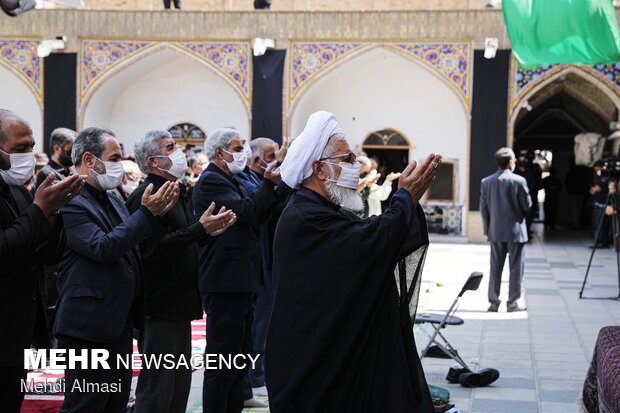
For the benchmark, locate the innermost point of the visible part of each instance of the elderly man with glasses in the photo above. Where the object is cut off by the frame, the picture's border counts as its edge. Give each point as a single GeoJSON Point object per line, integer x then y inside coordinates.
{"type": "Point", "coordinates": [338, 340]}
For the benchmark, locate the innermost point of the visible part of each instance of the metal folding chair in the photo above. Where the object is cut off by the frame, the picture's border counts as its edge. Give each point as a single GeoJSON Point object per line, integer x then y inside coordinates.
{"type": "Point", "coordinates": [439, 321]}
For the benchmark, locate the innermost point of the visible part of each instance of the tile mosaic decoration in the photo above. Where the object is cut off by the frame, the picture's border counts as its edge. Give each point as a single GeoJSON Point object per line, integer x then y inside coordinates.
{"type": "Point", "coordinates": [451, 60]}
{"type": "Point", "coordinates": [523, 81]}
{"type": "Point", "coordinates": [21, 55]}
{"type": "Point", "coordinates": [231, 59]}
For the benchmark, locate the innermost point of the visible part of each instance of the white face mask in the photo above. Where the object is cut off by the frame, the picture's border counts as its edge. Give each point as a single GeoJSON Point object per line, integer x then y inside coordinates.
{"type": "Point", "coordinates": [179, 164]}
{"type": "Point", "coordinates": [129, 187]}
{"type": "Point", "coordinates": [113, 175]}
{"type": "Point", "coordinates": [349, 175]}
{"type": "Point", "coordinates": [239, 162]}
{"type": "Point", "coordinates": [21, 170]}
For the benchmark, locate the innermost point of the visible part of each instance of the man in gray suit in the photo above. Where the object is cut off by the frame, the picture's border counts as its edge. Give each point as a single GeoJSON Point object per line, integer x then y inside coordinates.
{"type": "Point", "coordinates": [504, 203]}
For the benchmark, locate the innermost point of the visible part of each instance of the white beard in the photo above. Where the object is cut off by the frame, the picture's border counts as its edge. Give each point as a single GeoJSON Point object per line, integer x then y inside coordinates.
{"type": "Point", "coordinates": [345, 197]}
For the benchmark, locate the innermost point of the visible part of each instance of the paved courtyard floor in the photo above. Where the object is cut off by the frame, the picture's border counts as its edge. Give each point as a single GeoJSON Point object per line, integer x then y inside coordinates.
{"type": "Point", "coordinates": [542, 354]}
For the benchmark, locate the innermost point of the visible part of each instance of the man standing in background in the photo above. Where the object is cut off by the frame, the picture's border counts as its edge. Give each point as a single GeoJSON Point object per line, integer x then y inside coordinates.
{"type": "Point", "coordinates": [61, 144]}
{"type": "Point", "coordinates": [504, 205]}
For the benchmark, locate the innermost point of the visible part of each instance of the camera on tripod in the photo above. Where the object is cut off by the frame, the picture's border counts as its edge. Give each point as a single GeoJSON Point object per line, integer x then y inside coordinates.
{"type": "Point", "coordinates": [611, 168]}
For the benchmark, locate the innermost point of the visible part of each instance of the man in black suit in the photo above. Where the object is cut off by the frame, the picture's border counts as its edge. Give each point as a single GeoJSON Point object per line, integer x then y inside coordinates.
{"type": "Point", "coordinates": [30, 235]}
{"type": "Point", "coordinates": [265, 151]}
{"type": "Point", "coordinates": [100, 274]}
{"type": "Point", "coordinates": [61, 144]}
{"type": "Point", "coordinates": [230, 267]}
{"type": "Point", "coordinates": [170, 265]}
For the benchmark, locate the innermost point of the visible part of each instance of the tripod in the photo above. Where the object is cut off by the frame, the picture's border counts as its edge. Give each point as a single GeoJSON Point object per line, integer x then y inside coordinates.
{"type": "Point", "coordinates": [613, 202]}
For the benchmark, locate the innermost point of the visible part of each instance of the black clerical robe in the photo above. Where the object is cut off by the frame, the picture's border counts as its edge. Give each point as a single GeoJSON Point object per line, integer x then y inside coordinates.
{"type": "Point", "coordinates": [338, 340]}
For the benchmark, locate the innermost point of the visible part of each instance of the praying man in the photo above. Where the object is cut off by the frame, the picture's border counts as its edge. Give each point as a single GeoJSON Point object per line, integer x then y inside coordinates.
{"type": "Point", "coordinates": [338, 341]}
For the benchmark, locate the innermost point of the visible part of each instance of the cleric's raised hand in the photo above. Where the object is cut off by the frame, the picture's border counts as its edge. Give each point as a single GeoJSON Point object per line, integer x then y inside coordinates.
{"type": "Point", "coordinates": [416, 178]}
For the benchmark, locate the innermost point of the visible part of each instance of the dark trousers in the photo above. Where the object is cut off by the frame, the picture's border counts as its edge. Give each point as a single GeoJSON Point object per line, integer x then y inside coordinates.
{"type": "Point", "coordinates": [499, 250]}
{"type": "Point", "coordinates": [264, 305]}
{"type": "Point", "coordinates": [162, 390]}
{"type": "Point", "coordinates": [551, 210]}
{"type": "Point", "coordinates": [77, 398]}
{"type": "Point", "coordinates": [177, 4]}
{"type": "Point", "coordinates": [11, 395]}
{"type": "Point", "coordinates": [601, 225]}
{"type": "Point", "coordinates": [230, 317]}
{"type": "Point", "coordinates": [262, 315]}
{"type": "Point", "coordinates": [576, 208]}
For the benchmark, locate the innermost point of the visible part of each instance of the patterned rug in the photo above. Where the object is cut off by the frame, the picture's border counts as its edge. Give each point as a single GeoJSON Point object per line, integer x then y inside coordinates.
{"type": "Point", "coordinates": [197, 407]}
{"type": "Point", "coordinates": [51, 400]}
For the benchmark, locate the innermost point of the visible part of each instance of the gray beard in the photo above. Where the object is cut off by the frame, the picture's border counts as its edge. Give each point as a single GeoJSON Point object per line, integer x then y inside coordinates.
{"type": "Point", "coordinates": [345, 197]}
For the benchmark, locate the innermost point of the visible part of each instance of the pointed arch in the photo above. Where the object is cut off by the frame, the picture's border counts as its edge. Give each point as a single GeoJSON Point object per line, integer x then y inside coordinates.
{"type": "Point", "coordinates": [533, 90]}
{"type": "Point", "coordinates": [146, 49]}
{"type": "Point", "coordinates": [354, 50]}
{"type": "Point", "coordinates": [38, 95]}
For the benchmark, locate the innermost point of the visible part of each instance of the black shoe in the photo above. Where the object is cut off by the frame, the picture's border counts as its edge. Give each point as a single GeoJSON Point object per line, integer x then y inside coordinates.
{"type": "Point", "coordinates": [455, 373]}
{"type": "Point", "coordinates": [481, 378]}
{"type": "Point", "coordinates": [493, 308]}
{"type": "Point", "coordinates": [515, 307]}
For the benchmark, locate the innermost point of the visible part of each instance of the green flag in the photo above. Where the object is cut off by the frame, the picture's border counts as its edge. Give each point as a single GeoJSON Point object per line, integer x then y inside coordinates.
{"type": "Point", "coordinates": [546, 32]}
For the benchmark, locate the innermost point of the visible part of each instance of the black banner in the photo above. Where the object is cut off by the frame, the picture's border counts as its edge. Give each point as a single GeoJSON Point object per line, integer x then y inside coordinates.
{"type": "Point", "coordinates": [267, 95]}
{"type": "Point", "coordinates": [59, 93]}
{"type": "Point", "coordinates": [488, 117]}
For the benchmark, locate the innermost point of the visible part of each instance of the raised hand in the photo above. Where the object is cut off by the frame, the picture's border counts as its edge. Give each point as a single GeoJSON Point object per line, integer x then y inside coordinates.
{"type": "Point", "coordinates": [392, 176]}
{"type": "Point", "coordinates": [417, 178]}
{"type": "Point", "coordinates": [173, 198]}
{"type": "Point", "coordinates": [271, 174]}
{"type": "Point", "coordinates": [163, 200]}
{"type": "Point", "coordinates": [281, 153]}
{"type": "Point", "coordinates": [218, 223]}
{"type": "Point", "coordinates": [193, 180]}
{"type": "Point", "coordinates": [373, 177]}
{"type": "Point", "coordinates": [51, 197]}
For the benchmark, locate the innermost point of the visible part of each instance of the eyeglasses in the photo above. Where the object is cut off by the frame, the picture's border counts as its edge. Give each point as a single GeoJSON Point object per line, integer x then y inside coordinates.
{"type": "Point", "coordinates": [346, 157]}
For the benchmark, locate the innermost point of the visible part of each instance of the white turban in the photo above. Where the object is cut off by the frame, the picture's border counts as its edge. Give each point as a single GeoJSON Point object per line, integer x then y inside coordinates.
{"type": "Point", "coordinates": [308, 147]}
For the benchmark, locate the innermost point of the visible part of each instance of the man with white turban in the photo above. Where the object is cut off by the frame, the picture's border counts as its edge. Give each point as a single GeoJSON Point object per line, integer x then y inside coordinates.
{"type": "Point", "coordinates": [338, 340]}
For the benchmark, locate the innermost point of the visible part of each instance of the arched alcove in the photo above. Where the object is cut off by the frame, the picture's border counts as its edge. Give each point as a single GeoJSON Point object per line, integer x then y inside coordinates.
{"type": "Point", "coordinates": [382, 88]}
{"type": "Point", "coordinates": [160, 89]}
{"type": "Point", "coordinates": [553, 113]}
{"type": "Point", "coordinates": [19, 97]}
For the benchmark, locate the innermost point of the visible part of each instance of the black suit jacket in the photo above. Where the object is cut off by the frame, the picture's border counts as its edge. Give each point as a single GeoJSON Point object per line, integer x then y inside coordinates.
{"type": "Point", "coordinates": [27, 240]}
{"type": "Point", "coordinates": [232, 261]}
{"type": "Point", "coordinates": [171, 264]}
{"type": "Point", "coordinates": [268, 229]}
{"type": "Point", "coordinates": [100, 274]}
{"type": "Point", "coordinates": [61, 173]}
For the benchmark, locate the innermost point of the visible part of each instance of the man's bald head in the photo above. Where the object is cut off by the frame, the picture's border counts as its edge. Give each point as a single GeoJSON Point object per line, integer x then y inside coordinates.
{"type": "Point", "coordinates": [8, 117]}
{"type": "Point", "coordinates": [15, 136]}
